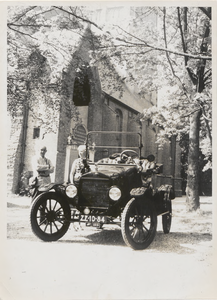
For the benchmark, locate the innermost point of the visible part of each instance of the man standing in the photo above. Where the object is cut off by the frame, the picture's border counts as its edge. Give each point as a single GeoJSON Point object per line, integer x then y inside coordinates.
{"type": "Point", "coordinates": [43, 167]}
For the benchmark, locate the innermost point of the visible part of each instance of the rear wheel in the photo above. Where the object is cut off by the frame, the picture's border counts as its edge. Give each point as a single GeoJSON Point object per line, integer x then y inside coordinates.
{"type": "Point", "coordinates": [167, 218]}
{"type": "Point", "coordinates": [50, 217]}
{"type": "Point", "coordinates": [139, 223]}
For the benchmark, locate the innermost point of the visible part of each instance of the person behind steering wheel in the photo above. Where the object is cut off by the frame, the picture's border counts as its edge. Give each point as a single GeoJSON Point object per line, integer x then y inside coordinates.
{"type": "Point", "coordinates": [148, 163]}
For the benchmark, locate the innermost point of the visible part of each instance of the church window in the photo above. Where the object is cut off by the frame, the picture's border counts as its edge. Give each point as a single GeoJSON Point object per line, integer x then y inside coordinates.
{"type": "Point", "coordinates": [81, 94]}
{"type": "Point", "coordinates": [36, 132]}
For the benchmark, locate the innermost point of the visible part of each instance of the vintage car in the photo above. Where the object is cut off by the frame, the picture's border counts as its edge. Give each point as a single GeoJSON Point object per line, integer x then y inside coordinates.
{"type": "Point", "coordinates": [115, 190]}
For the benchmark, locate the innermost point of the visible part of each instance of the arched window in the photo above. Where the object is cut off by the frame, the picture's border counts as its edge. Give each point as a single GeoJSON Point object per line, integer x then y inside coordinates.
{"type": "Point", "coordinates": [81, 93]}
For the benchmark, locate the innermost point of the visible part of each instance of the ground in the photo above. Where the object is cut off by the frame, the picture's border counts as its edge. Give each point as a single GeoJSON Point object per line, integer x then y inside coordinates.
{"type": "Point", "coordinates": [90, 263]}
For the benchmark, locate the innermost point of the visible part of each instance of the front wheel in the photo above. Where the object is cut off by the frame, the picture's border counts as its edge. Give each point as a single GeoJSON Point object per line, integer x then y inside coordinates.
{"type": "Point", "coordinates": [50, 217]}
{"type": "Point", "coordinates": [139, 223]}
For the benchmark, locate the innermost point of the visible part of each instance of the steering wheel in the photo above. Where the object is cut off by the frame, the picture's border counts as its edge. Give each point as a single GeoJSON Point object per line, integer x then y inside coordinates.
{"type": "Point", "coordinates": [126, 152]}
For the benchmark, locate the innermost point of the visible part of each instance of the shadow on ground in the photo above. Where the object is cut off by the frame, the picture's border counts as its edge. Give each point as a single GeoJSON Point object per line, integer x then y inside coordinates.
{"type": "Point", "coordinates": [174, 242]}
{"type": "Point", "coordinates": [188, 231]}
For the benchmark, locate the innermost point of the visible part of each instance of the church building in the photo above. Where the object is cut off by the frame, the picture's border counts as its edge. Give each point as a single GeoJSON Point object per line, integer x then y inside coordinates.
{"type": "Point", "coordinates": [62, 117]}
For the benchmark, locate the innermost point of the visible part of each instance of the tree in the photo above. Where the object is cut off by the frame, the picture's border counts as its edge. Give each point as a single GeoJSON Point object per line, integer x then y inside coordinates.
{"type": "Point", "coordinates": [185, 43]}
{"type": "Point", "coordinates": [171, 60]}
{"type": "Point", "coordinates": [199, 79]}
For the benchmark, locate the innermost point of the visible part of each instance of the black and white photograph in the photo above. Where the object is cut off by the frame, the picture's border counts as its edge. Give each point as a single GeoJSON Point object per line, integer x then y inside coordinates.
{"type": "Point", "coordinates": [107, 150]}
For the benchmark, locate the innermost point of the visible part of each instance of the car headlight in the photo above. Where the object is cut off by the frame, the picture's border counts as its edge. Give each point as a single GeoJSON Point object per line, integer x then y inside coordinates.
{"type": "Point", "coordinates": [71, 191]}
{"type": "Point", "coordinates": [115, 193]}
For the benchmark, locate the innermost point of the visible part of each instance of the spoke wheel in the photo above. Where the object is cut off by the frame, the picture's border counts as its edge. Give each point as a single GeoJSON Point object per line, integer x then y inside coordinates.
{"type": "Point", "coordinates": [167, 218]}
{"type": "Point", "coordinates": [139, 223]}
{"type": "Point", "coordinates": [50, 217]}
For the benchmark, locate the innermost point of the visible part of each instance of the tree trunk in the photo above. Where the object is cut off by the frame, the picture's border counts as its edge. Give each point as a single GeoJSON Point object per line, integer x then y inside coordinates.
{"type": "Point", "coordinates": [192, 189]}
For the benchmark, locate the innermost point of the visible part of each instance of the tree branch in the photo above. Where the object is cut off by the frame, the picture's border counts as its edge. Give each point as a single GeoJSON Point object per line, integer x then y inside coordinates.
{"type": "Point", "coordinates": [207, 77]}
{"type": "Point", "coordinates": [136, 53]}
{"type": "Point", "coordinates": [78, 17]}
{"type": "Point", "coordinates": [182, 35]}
{"type": "Point", "coordinates": [130, 34]}
{"type": "Point", "coordinates": [166, 50]}
{"type": "Point", "coordinates": [165, 40]}
{"type": "Point", "coordinates": [20, 32]}
{"type": "Point", "coordinates": [52, 45]}
{"type": "Point", "coordinates": [26, 11]}
{"type": "Point", "coordinates": [28, 25]}
{"type": "Point", "coordinates": [187, 115]}
{"type": "Point", "coordinates": [41, 13]}
{"type": "Point", "coordinates": [167, 54]}
{"type": "Point", "coordinates": [206, 12]}
{"type": "Point", "coordinates": [192, 75]}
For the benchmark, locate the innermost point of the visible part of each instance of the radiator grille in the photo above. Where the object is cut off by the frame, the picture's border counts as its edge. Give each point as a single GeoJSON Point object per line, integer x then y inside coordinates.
{"type": "Point", "coordinates": [94, 192]}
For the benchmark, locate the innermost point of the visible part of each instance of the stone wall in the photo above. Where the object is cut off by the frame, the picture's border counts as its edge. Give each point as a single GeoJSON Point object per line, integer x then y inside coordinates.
{"type": "Point", "coordinates": [14, 154]}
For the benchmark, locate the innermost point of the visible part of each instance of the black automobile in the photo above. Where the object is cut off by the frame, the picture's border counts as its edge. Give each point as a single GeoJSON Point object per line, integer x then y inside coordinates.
{"type": "Point", "coordinates": [115, 190]}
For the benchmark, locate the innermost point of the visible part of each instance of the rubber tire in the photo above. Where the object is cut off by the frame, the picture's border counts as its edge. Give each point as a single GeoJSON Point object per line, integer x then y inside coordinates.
{"type": "Point", "coordinates": [65, 218]}
{"type": "Point", "coordinates": [146, 208]}
{"type": "Point", "coordinates": [167, 219]}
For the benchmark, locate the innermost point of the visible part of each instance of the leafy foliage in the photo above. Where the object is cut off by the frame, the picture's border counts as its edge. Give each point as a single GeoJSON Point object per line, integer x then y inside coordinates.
{"type": "Point", "coordinates": [40, 43]}
{"type": "Point", "coordinates": [157, 62]}
{"type": "Point", "coordinates": [173, 74]}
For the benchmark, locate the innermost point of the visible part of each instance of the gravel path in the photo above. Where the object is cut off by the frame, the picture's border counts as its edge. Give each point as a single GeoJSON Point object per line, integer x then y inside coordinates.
{"type": "Point", "coordinates": [96, 264]}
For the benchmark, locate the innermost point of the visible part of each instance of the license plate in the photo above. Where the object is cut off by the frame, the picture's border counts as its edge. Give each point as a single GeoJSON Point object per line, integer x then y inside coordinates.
{"type": "Point", "coordinates": [90, 220]}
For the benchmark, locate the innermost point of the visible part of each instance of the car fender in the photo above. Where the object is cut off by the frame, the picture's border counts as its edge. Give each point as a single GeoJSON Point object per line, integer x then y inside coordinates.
{"type": "Point", "coordinates": [137, 192]}
{"type": "Point", "coordinates": [168, 189]}
{"type": "Point", "coordinates": [42, 194]}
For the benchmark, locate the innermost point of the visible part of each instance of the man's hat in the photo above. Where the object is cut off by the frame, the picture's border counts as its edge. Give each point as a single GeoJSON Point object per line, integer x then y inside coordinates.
{"type": "Point", "coordinates": [151, 157]}
{"type": "Point", "coordinates": [44, 148]}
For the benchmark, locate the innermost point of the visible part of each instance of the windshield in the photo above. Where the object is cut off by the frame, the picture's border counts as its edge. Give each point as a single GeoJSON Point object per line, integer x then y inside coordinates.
{"type": "Point", "coordinates": [103, 144]}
